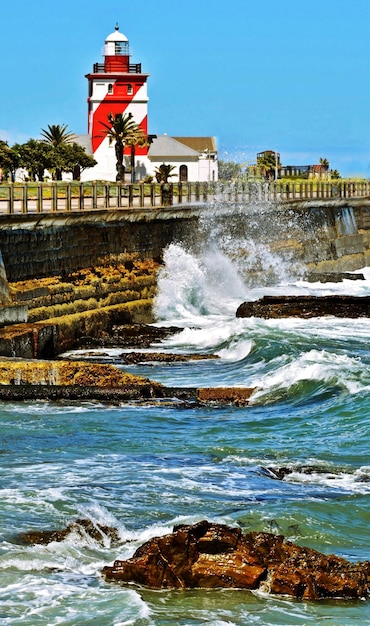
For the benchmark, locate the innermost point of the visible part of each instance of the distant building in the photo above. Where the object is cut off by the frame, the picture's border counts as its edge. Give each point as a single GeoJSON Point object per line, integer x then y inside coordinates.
{"type": "Point", "coordinates": [119, 86]}
{"type": "Point", "coordinates": [291, 171]}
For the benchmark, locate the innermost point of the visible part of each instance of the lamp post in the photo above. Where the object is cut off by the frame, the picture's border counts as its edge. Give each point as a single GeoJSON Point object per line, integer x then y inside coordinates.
{"type": "Point", "coordinates": [276, 165]}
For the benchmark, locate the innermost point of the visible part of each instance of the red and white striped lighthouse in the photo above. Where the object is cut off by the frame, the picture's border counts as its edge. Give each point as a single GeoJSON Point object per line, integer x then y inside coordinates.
{"type": "Point", "coordinates": [115, 86]}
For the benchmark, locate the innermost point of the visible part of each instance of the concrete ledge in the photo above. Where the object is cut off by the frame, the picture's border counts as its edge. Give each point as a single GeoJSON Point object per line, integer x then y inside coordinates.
{"type": "Point", "coordinates": [13, 314]}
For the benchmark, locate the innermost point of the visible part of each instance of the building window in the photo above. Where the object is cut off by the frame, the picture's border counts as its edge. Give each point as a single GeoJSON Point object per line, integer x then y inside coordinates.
{"type": "Point", "coordinates": [129, 89]}
{"type": "Point", "coordinates": [110, 88]}
{"type": "Point", "coordinates": [183, 173]}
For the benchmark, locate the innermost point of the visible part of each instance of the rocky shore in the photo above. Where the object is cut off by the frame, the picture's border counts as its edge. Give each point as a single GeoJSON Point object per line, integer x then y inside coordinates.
{"type": "Point", "coordinates": [209, 555]}
{"type": "Point", "coordinates": [306, 306]}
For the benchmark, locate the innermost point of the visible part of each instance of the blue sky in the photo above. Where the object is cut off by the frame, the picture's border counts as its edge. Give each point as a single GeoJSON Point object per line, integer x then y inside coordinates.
{"type": "Point", "coordinates": [283, 75]}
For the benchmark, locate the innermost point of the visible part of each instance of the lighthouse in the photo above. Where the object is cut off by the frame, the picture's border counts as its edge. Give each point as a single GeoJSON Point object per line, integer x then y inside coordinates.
{"type": "Point", "coordinates": [116, 86]}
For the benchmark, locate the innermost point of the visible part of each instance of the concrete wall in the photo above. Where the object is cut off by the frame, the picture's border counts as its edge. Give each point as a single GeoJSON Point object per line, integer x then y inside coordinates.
{"type": "Point", "coordinates": [47, 245]}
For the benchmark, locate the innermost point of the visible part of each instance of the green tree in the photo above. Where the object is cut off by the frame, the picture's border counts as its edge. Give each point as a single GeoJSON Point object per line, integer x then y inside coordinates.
{"type": "Point", "coordinates": [269, 162]}
{"type": "Point", "coordinates": [35, 156]}
{"type": "Point", "coordinates": [119, 128]}
{"type": "Point", "coordinates": [334, 174]}
{"type": "Point", "coordinates": [72, 158]}
{"type": "Point", "coordinates": [57, 135]}
{"type": "Point", "coordinates": [9, 160]}
{"type": "Point", "coordinates": [164, 172]}
{"type": "Point", "coordinates": [228, 170]}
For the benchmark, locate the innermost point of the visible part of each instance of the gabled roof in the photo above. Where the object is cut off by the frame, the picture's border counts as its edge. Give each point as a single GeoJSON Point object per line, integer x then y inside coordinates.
{"type": "Point", "coordinates": [199, 143]}
{"type": "Point", "coordinates": [165, 146]}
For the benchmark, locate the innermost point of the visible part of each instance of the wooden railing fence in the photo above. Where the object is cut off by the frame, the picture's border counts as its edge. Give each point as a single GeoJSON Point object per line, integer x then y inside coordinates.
{"type": "Point", "coordinates": [31, 198]}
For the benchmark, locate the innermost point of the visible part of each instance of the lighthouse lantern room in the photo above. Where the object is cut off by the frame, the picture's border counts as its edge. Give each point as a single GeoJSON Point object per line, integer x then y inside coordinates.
{"type": "Point", "coordinates": [116, 86]}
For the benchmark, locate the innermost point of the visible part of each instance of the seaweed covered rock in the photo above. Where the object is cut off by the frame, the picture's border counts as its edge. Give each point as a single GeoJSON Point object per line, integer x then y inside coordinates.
{"type": "Point", "coordinates": [215, 555]}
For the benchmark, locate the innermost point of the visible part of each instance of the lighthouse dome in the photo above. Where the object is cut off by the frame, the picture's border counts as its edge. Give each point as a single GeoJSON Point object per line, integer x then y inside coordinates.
{"type": "Point", "coordinates": [116, 44]}
{"type": "Point", "coordinates": [116, 36]}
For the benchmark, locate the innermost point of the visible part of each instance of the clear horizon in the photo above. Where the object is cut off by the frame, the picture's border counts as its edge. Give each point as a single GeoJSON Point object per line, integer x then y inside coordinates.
{"type": "Point", "coordinates": [274, 76]}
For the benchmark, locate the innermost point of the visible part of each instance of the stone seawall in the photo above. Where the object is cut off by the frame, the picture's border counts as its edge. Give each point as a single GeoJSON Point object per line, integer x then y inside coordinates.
{"type": "Point", "coordinates": [316, 231]}
{"type": "Point", "coordinates": [51, 245]}
{"type": "Point", "coordinates": [80, 274]}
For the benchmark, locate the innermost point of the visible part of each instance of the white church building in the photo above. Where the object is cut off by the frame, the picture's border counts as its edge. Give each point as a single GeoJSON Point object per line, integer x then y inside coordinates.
{"type": "Point", "coordinates": [119, 86]}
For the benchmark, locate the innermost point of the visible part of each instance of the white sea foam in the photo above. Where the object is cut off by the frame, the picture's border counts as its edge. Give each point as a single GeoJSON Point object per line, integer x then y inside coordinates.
{"type": "Point", "coordinates": [191, 287]}
{"type": "Point", "coordinates": [314, 365]}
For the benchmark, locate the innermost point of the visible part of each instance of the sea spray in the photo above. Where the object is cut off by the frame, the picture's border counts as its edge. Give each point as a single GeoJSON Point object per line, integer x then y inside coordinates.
{"type": "Point", "coordinates": [190, 287]}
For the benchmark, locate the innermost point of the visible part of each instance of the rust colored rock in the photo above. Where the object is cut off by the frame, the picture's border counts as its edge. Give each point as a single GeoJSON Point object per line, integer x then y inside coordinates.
{"type": "Point", "coordinates": [215, 555]}
{"type": "Point", "coordinates": [306, 307]}
{"type": "Point", "coordinates": [236, 395]}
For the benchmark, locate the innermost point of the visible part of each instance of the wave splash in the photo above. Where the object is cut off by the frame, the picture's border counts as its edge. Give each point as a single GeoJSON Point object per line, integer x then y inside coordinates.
{"type": "Point", "coordinates": [190, 287]}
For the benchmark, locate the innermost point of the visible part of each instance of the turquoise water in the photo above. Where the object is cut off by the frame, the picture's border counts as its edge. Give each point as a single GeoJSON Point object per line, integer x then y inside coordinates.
{"type": "Point", "coordinates": [143, 469]}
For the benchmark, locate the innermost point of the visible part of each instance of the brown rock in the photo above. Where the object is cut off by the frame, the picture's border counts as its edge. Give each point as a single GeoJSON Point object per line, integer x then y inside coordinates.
{"type": "Point", "coordinates": [82, 527]}
{"type": "Point", "coordinates": [235, 395]}
{"type": "Point", "coordinates": [306, 306]}
{"type": "Point", "coordinates": [214, 555]}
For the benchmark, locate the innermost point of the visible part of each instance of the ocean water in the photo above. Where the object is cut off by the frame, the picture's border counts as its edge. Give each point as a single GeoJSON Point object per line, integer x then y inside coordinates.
{"type": "Point", "coordinates": [143, 469]}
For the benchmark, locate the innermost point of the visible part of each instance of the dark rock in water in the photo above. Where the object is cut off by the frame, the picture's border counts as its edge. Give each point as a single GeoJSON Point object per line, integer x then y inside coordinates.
{"type": "Point", "coordinates": [338, 277]}
{"type": "Point", "coordinates": [133, 358]}
{"type": "Point", "coordinates": [215, 555]}
{"type": "Point", "coordinates": [279, 473]}
{"type": "Point", "coordinates": [81, 527]}
{"type": "Point", "coordinates": [130, 336]}
{"type": "Point", "coordinates": [306, 306]}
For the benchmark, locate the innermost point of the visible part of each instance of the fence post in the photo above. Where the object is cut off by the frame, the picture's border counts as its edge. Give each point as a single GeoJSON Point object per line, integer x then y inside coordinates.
{"type": "Point", "coordinates": [39, 198]}
{"type": "Point", "coordinates": [142, 195]}
{"type": "Point", "coordinates": [119, 195]}
{"type": "Point", "coordinates": [152, 194]}
{"type": "Point", "coordinates": [188, 191]}
{"type": "Point", "coordinates": [179, 192]}
{"type": "Point", "coordinates": [81, 197]}
{"type": "Point", "coordinates": [130, 195]}
{"type": "Point", "coordinates": [11, 199]}
{"type": "Point", "coordinates": [24, 197]}
{"type": "Point", "coordinates": [54, 197]}
{"type": "Point", "coordinates": [107, 194]}
{"type": "Point", "coordinates": [94, 186]}
{"type": "Point", "coordinates": [69, 197]}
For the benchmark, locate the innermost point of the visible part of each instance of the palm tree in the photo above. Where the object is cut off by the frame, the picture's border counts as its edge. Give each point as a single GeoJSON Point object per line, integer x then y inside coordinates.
{"type": "Point", "coordinates": [57, 134]}
{"type": "Point", "coordinates": [324, 163]}
{"type": "Point", "coordinates": [164, 172]}
{"type": "Point", "coordinates": [118, 130]}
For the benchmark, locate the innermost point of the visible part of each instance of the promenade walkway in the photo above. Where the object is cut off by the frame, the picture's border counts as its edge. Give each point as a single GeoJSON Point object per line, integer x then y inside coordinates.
{"type": "Point", "coordinates": [41, 198]}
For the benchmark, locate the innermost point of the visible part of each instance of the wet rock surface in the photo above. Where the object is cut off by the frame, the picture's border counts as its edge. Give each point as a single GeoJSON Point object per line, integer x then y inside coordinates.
{"type": "Point", "coordinates": [306, 306]}
{"type": "Point", "coordinates": [236, 395]}
{"type": "Point", "coordinates": [137, 358]}
{"type": "Point", "coordinates": [215, 555]}
{"type": "Point", "coordinates": [82, 527]}
{"type": "Point", "coordinates": [333, 277]}
{"type": "Point", "coordinates": [129, 336]}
